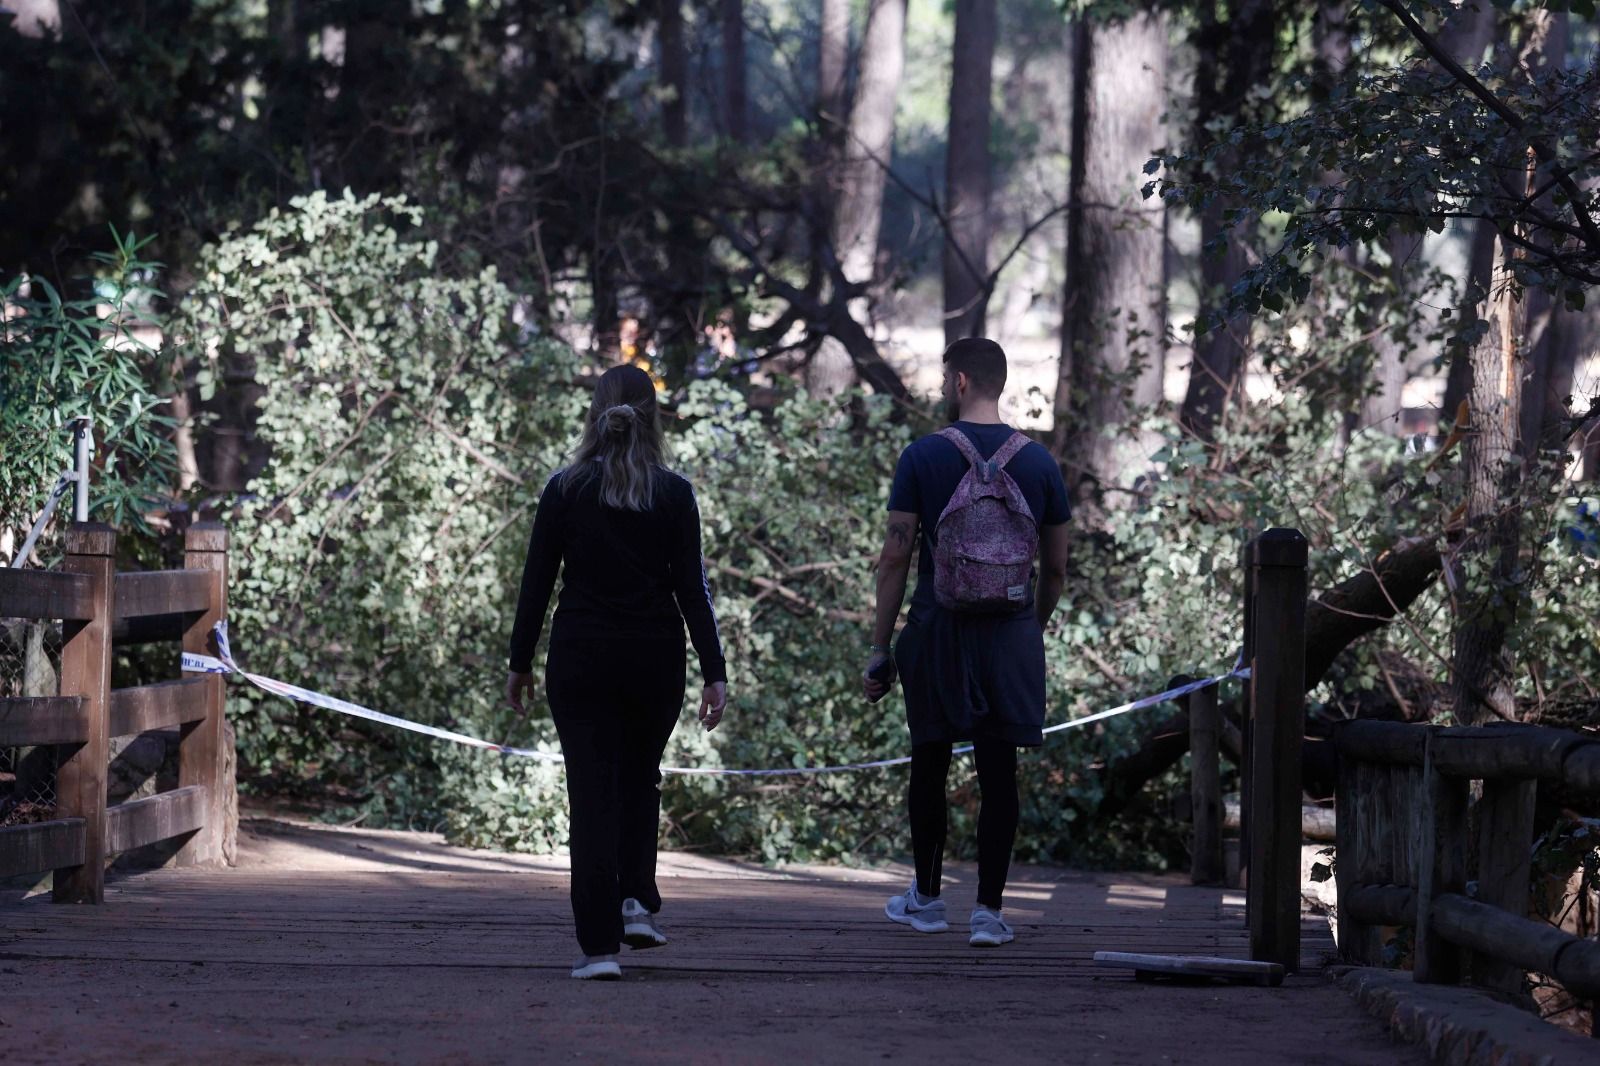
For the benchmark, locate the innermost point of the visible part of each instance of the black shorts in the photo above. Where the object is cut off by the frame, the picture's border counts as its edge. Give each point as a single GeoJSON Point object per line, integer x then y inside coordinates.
{"type": "Point", "coordinates": [972, 675]}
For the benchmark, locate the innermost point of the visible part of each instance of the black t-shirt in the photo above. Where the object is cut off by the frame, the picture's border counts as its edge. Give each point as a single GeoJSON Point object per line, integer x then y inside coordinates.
{"type": "Point", "coordinates": [626, 575]}
{"type": "Point", "coordinates": [930, 469]}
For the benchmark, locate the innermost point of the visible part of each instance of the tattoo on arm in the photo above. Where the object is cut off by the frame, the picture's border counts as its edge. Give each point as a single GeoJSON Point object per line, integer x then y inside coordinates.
{"type": "Point", "coordinates": [900, 533]}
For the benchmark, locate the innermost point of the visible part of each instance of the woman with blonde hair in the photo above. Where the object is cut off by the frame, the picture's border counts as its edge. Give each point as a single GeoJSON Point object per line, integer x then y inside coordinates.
{"type": "Point", "coordinates": [624, 533]}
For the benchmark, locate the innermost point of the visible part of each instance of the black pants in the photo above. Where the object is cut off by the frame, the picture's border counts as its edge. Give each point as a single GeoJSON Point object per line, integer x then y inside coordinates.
{"type": "Point", "coordinates": [614, 706]}
{"type": "Point", "coordinates": [997, 814]}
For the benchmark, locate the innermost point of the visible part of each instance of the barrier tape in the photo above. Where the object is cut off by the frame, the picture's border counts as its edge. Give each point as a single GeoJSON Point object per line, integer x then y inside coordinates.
{"type": "Point", "coordinates": [225, 664]}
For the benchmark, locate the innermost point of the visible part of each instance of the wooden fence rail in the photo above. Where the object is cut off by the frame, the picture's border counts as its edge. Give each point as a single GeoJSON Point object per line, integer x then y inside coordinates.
{"type": "Point", "coordinates": [1408, 825]}
{"type": "Point", "coordinates": [97, 606]}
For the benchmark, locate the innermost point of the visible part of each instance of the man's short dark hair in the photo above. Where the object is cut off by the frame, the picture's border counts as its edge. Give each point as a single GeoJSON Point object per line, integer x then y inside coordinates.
{"type": "Point", "coordinates": [982, 360]}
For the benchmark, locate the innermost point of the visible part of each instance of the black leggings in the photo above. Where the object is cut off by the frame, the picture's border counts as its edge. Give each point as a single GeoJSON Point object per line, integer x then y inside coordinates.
{"type": "Point", "coordinates": [997, 814]}
{"type": "Point", "coordinates": [614, 706]}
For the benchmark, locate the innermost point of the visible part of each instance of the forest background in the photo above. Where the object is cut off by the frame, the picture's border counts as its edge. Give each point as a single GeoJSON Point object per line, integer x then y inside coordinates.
{"type": "Point", "coordinates": [341, 272]}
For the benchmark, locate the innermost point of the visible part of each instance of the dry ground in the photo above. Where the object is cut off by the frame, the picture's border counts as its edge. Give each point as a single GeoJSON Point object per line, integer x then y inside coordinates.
{"type": "Point", "coordinates": [354, 946]}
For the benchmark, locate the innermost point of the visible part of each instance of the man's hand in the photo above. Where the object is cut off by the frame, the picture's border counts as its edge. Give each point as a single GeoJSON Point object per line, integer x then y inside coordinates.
{"type": "Point", "coordinates": [894, 567]}
{"type": "Point", "coordinates": [713, 701]}
{"type": "Point", "coordinates": [877, 687]}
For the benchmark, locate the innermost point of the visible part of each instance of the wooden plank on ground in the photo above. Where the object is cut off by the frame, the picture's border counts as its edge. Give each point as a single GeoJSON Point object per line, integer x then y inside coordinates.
{"type": "Point", "coordinates": [1193, 966]}
{"type": "Point", "coordinates": [158, 706]}
{"type": "Point", "coordinates": [146, 821]}
{"type": "Point", "coordinates": [29, 720]}
{"type": "Point", "coordinates": [30, 849]}
{"type": "Point", "coordinates": [44, 594]}
{"type": "Point", "coordinates": [162, 592]}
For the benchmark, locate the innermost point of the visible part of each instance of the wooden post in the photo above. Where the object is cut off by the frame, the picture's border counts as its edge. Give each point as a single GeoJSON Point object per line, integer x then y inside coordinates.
{"type": "Point", "coordinates": [1441, 868]}
{"type": "Point", "coordinates": [1246, 656]}
{"type": "Point", "coordinates": [1505, 839]}
{"type": "Point", "coordinates": [86, 673]}
{"type": "Point", "coordinates": [1205, 787]}
{"type": "Point", "coordinates": [1348, 874]}
{"type": "Point", "coordinates": [200, 752]}
{"type": "Point", "coordinates": [1277, 724]}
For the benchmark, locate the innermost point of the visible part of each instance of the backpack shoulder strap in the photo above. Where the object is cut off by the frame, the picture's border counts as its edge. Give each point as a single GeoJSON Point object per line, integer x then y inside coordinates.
{"type": "Point", "coordinates": [963, 445]}
{"type": "Point", "coordinates": [1010, 449]}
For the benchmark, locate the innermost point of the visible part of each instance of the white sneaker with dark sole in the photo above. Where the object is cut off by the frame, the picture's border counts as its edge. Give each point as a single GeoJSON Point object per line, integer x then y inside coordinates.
{"type": "Point", "coordinates": [924, 917]}
{"type": "Point", "coordinates": [597, 968]}
{"type": "Point", "coordinates": [639, 928]}
{"type": "Point", "coordinates": [989, 930]}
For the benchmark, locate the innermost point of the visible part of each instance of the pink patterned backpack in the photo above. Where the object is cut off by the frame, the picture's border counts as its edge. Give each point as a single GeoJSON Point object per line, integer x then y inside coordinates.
{"type": "Point", "coordinates": [986, 538]}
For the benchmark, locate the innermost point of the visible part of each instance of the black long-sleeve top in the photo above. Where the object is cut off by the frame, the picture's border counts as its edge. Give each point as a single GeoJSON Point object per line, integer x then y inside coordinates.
{"type": "Point", "coordinates": [627, 574]}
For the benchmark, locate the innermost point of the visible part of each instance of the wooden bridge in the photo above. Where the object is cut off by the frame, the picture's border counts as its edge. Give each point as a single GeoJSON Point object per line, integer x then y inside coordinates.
{"type": "Point", "coordinates": [349, 946]}
{"type": "Point", "coordinates": [406, 950]}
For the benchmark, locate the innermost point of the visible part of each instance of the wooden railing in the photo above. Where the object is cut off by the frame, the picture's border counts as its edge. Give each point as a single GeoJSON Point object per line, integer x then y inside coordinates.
{"type": "Point", "coordinates": [97, 606]}
{"type": "Point", "coordinates": [1407, 827]}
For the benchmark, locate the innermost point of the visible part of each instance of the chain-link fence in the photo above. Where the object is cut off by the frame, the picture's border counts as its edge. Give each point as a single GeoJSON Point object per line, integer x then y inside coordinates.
{"type": "Point", "coordinates": [30, 664]}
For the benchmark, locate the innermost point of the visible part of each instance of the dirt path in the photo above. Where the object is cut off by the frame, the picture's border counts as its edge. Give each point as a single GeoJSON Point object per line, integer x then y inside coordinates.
{"type": "Point", "coordinates": [346, 946]}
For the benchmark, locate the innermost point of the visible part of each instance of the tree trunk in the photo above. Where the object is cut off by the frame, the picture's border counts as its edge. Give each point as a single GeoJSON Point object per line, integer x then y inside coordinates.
{"type": "Point", "coordinates": [1554, 334]}
{"type": "Point", "coordinates": [283, 26]}
{"type": "Point", "coordinates": [827, 367]}
{"type": "Point", "coordinates": [833, 46]}
{"type": "Point", "coordinates": [673, 72]}
{"type": "Point", "coordinates": [1555, 340]}
{"type": "Point", "coordinates": [1384, 407]}
{"type": "Point", "coordinates": [1232, 59]}
{"type": "Point", "coordinates": [373, 52]}
{"type": "Point", "coordinates": [1114, 323]}
{"type": "Point", "coordinates": [1480, 265]}
{"type": "Point", "coordinates": [733, 69]}
{"type": "Point", "coordinates": [869, 143]}
{"type": "Point", "coordinates": [1469, 35]}
{"type": "Point", "coordinates": [865, 157]}
{"type": "Point", "coordinates": [1354, 607]}
{"type": "Point", "coordinates": [182, 413]}
{"type": "Point", "coordinates": [967, 172]}
{"type": "Point", "coordinates": [1486, 605]}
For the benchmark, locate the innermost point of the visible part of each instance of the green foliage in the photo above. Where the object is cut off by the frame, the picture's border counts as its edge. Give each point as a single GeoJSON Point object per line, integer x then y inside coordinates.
{"type": "Point", "coordinates": [1409, 148]}
{"type": "Point", "coordinates": [63, 358]}
{"type": "Point", "coordinates": [409, 422]}
{"type": "Point", "coordinates": [412, 427]}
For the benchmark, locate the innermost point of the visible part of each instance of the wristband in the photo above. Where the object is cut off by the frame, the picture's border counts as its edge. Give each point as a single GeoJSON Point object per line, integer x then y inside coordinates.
{"type": "Point", "coordinates": [881, 647]}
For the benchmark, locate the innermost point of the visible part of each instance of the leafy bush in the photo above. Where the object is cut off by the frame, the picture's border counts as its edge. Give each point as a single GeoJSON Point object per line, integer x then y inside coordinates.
{"type": "Point", "coordinates": [61, 359]}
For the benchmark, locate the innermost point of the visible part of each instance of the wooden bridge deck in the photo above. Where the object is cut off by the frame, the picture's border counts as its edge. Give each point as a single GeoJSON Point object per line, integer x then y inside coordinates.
{"type": "Point", "coordinates": [379, 947]}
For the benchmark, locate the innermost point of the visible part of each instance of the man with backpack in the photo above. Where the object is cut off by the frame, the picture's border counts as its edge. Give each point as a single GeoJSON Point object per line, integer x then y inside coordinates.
{"type": "Point", "coordinates": [989, 503]}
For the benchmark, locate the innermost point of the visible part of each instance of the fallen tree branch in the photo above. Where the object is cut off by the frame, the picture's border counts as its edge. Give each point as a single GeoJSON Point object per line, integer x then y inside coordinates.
{"type": "Point", "coordinates": [790, 596]}
{"type": "Point", "coordinates": [1338, 618]}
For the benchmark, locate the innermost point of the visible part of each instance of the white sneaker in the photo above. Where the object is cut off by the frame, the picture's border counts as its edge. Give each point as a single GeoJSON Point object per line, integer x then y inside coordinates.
{"type": "Point", "coordinates": [597, 968]}
{"type": "Point", "coordinates": [908, 909]}
{"type": "Point", "coordinates": [639, 928]}
{"type": "Point", "coordinates": [989, 930]}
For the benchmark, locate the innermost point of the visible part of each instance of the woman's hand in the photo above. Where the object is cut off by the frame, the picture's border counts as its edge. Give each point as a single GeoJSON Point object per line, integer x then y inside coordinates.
{"type": "Point", "coordinates": [713, 701]}
{"type": "Point", "coordinates": [517, 686]}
